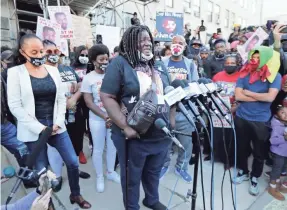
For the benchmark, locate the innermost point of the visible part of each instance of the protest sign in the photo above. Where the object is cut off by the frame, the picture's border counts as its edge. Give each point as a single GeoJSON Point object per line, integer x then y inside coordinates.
{"type": "Point", "coordinates": [46, 29]}
{"type": "Point", "coordinates": [62, 16]}
{"type": "Point", "coordinates": [255, 40]}
{"type": "Point", "coordinates": [168, 25]}
{"type": "Point", "coordinates": [84, 35]}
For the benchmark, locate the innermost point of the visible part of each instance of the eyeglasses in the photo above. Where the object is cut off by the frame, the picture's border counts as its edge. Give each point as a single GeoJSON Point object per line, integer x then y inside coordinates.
{"type": "Point", "coordinates": [83, 55]}
{"type": "Point", "coordinates": [55, 52]}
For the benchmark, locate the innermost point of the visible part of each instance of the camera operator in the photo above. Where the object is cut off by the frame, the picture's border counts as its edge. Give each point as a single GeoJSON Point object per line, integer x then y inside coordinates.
{"type": "Point", "coordinates": [35, 200]}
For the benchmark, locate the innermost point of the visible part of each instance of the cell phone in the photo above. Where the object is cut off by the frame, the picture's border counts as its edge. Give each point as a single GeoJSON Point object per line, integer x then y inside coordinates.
{"type": "Point", "coordinates": [219, 31]}
{"type": "Point", "coordinates": [202, 27]}
{"type": "Point", "coordinates": [284, 30]}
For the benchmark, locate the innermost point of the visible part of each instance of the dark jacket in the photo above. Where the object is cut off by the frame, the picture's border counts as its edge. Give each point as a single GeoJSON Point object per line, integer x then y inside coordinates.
{"type": "Point", "coordinates": [212, 66]}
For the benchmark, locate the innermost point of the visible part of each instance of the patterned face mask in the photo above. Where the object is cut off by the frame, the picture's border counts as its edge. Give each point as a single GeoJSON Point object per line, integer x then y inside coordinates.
{"type": "Point", "coordinates": [37, 61]}
{"type": "Point", "coordinates": [53, 58]}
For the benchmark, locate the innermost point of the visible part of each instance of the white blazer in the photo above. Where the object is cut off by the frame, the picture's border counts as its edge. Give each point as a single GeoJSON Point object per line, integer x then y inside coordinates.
{"type": "Point", "coordinates": [22, 104]}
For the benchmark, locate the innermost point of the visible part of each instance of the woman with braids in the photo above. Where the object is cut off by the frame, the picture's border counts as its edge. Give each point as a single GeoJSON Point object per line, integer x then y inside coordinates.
{"type": "Point", "coordinates": [127, 78]}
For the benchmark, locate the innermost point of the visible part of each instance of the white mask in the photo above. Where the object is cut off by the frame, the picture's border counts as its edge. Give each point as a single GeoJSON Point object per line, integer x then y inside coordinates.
{"type": "Point", "coordinates": [145, 58]}
{"type": "Point", "coordinates": [83, 60]}
{"type": "Point", "coordinates": [176, 49]}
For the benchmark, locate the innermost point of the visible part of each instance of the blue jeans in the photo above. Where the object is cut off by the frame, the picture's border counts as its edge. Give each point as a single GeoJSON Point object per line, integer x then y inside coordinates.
{"type": "Point", "coordinates": [12, 144]}
{"type": "Point", "coordinates": [181, 125]}
{"type": "Point", "coordinates": [63, 144]}
{"type": "Point", "coordinates": [144, 165]}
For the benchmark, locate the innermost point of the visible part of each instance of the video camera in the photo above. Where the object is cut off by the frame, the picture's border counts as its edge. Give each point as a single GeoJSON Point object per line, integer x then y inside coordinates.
{"type": "Point", "coordinates": [202, 27]}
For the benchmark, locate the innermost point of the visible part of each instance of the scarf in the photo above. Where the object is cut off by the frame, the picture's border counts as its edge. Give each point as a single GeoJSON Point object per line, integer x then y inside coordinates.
{"type": "Point", "coordinates": [255, 73]}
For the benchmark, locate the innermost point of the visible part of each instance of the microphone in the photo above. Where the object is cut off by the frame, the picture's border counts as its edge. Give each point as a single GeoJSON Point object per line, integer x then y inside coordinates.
{"type": "Point", "coordinates": [41, 142]}
{"type": "Point", "coordinates": [215, 90]}
{"type": "Point", "coordinates": [179, 84]}
{"type": "Point", "coordinates": [213, 98]}
{"type": "Point", "coordinates": [161, 125]}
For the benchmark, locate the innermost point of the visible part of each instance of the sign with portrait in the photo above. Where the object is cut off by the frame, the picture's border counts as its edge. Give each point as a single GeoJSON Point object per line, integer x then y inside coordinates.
{"type": "Point", "coordinates": [62, 16]}
{"type": "Point", "coordinates": [255, 40]}
{"type": "Point", "coordinates": [46, 29]}
{"type": "Point", "coordinates": [168, 25]}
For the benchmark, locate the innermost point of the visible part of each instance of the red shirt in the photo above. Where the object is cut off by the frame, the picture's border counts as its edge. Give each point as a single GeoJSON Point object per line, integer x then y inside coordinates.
{"type": "Point", "coordinates": [228, 83]}
{"type": "Point", "coordinates": [224, 77]}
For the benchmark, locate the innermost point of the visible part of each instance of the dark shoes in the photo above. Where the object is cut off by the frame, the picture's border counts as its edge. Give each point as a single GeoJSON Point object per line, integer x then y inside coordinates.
{"type": "Point", "coordinates": [157, 206]}
{"type": "Point", "coordinates": [57, 185]}
{"type": "Point", "coordinates": [80, 201]}
{"type": "Point", "coordinates": [84, 175]}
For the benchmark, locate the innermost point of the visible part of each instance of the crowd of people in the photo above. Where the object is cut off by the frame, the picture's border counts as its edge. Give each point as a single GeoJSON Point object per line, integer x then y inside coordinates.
{"type": "Point", "coordinates": [93, 96]}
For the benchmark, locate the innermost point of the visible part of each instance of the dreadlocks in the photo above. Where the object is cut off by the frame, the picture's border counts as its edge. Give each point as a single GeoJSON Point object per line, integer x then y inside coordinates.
{"type": "Point", "coordinates": [130, 42]}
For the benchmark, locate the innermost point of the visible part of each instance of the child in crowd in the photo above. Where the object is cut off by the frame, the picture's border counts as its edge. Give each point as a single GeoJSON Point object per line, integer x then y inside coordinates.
{"type": "Point", "coordinates": [278, 148]}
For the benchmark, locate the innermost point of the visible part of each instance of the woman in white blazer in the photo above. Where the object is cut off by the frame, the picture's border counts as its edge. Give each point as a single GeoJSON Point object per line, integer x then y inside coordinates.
{"type": "Point", "coordinates": [36, 100]}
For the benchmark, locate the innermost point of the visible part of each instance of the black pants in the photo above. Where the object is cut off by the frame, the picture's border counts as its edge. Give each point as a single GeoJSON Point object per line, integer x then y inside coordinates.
{"type": "Point", "coordinates": [144, 166]}
{"type": "Point", "coordinates": [218, 145]}
{"type": "Point", "coordinates": [76, 130]}
{"type": "Point", "coordinates": [258, 134]}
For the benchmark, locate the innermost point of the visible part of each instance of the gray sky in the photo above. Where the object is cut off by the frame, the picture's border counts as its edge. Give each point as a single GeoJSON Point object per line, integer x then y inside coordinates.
{"type": "Point", "coordinates": [274, 8]}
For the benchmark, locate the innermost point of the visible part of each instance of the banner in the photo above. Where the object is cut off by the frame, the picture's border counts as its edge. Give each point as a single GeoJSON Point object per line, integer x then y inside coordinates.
{"type": "Point", "coordinates": [62, 16]}
{"type": "Point", "coordinates": [46, 29]}
{"type": "Point", "coordinates": [168, 25]}
{"type": "Point", "coordinates": [84, 35]}
{"type": "Point", "coordinates": [255, 40]}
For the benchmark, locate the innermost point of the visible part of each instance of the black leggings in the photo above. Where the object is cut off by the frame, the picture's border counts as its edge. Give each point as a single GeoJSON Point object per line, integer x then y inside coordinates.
{"type": "Point", "coordinates": [76, 130]}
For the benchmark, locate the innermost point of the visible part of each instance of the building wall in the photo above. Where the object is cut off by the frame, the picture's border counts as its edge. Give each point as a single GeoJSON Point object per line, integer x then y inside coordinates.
{"type": "Point", "coordinates": [247, 12]}
{"type": "Point", "coordinates": [8, 24]}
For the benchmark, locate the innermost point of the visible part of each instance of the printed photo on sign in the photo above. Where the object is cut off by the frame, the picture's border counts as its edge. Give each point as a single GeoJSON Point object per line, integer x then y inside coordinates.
{"type": "Point", "coordinates": [64, 47]}
{"type": "Point", "coordinates": [168, 25]}
{"type": "Point", "coordinates": [62, 16]}
{"type": "Point", "coordinates": [255, 40]}
{"type": "Point", "coordinates": [46, 29]}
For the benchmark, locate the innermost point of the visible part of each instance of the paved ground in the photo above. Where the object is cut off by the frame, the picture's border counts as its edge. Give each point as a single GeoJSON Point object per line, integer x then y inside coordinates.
{"type": "Point", "coordinates": [111, 199]}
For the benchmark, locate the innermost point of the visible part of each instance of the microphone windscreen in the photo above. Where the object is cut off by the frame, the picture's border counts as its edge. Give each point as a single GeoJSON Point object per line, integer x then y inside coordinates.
{"type": "Point", "coordinates": [177, 83]}
{"type": "Point", "coordinates": [185, 82]}
{"type": "Point", "coordinates": [160, 123]}
{"type": "Point", "coordinates": [40, 144]}
{"type": "Point", "coordinates": [202, 80]}
{"type": "Point", "coordinates": [168, 89]}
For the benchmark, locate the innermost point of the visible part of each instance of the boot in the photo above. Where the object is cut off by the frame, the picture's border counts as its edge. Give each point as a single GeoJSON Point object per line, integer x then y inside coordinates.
{"type": "Point", "coordinates": [276, 194]}
{"type": "Point", "coordinates": [283, 187]}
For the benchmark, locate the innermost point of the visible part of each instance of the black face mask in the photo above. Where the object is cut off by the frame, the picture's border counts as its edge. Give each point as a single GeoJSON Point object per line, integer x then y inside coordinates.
{"type": "Point", "coordinates": [194, 51]}
{"type": "Point", "coordinates": [230, 69]}
{"type": "Point", "coordinates": [219, 55]}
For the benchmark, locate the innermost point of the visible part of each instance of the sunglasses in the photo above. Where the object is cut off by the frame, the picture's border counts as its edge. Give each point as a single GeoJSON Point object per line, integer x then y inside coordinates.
{"type": "Point", "coordinates": [83, 55]}
{"type": "Point", "coordinates": [51, 52]}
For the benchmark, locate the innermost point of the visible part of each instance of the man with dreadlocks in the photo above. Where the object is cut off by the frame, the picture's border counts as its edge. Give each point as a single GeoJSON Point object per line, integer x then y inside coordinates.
{"type": "Point", "coordinates": [127, 78]}
{"type": "Point", "coordinates": [180, 67]}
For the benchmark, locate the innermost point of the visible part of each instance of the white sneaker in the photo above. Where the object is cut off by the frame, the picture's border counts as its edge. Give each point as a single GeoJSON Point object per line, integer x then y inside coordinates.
{"type": "Point", "coordinates": [100, 184]}
{"type": "Point", "coordinates": [114, 177]}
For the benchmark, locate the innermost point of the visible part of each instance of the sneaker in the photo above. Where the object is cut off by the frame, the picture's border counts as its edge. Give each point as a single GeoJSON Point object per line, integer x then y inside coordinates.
{"type": "Point", "coordinates": [184, 175]}
{"type": "Point", "coordinates": [157, 206]}
{"type": "Point", "coordinates": [114, 176]}
{"type": "Point", "coordinates": [275, 193]}
{"type": "Point", "coordinates": [254, 189]}
{"type": "Point", "coordinates": [241, 177]}
{"type": "Point", "coordinates": [164, 170]}
{"type": "Point", "coordinates": [100, 184]}
{"type": "Point", "coordinates": [82, 158]}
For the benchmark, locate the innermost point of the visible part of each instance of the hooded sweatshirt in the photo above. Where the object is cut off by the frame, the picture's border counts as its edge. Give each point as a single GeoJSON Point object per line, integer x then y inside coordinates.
{"type": "Point", "coordinates": [277, 140]}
